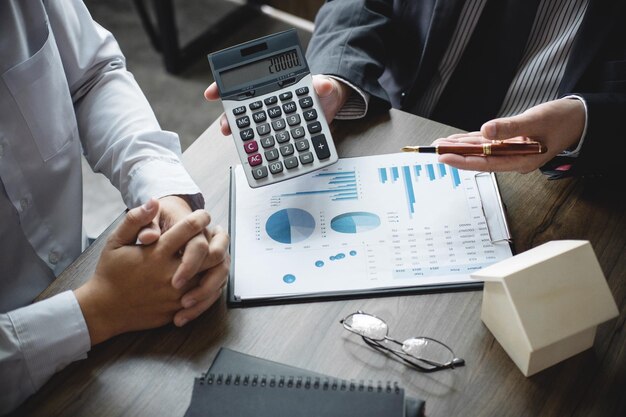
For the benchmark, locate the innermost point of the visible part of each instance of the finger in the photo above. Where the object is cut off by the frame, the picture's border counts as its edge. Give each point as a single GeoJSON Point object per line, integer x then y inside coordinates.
{"type": "Point", "coordinates": [323, 86]}
{"type": "Point", "coordinates": [500, 129]}
{"type": "Point", "coordinates": [180, 233]}
{"type": "Point", "coordinates": [454, 138]}
{"type": "Point", "coordinates": [218, 247]}
{"type": "Point", "coordinates": [522, 163]}
{"type": "Point", "coordinates": [150, 233]}
{"type": "Point", "coordinates": [134, 220]}
{"type": "Point", "coordinates": [332, 95]}
{"type": "Point", "coordinates": [196, 250]}
{"type": "Point", "coordinates": [224, 126]}
{"type": "Point", "coordinates": [212, 93]}
{"type": "Point", "coordinates": [203, 296]}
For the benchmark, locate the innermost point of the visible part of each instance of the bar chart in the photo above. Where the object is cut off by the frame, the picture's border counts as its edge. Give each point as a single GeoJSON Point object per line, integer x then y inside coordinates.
{"type": "Point", "coordinates": [337, 185]}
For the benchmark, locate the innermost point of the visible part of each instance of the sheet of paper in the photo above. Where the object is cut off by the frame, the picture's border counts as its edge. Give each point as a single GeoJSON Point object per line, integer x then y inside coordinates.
{"type": "Point", "coordinates": [385, 221]}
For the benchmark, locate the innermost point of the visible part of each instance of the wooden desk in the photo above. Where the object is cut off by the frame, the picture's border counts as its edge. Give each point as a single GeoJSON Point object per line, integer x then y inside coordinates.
{"type": "Point", "coordinates": [151, 373]}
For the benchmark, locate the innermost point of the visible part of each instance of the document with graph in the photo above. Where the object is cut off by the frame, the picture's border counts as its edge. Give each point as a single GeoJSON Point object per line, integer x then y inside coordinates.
{"type": "Point", "coordinates": [367, 225]}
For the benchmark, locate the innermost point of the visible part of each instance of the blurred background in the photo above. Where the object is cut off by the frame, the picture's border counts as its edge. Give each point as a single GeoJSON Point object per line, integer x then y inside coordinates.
{"type": "Point", "coordinates": [165, 43]}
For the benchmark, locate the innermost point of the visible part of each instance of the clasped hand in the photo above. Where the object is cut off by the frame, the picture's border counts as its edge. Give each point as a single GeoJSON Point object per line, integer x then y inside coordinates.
{"type": "Point", "coordinates": [176, 273]}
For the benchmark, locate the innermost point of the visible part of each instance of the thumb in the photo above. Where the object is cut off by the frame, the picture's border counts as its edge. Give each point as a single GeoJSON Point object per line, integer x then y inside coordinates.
{"type": "Point", "coordinates": [332, 95]}
{"type": "Point", "coordinates": [136, 219]}
{"type": "Point", "coordinates": [508, 127]}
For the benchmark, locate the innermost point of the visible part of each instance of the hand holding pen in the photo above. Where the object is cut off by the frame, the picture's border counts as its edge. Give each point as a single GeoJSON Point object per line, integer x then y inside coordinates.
{"type": "Point", "coordinates": [536, 136]}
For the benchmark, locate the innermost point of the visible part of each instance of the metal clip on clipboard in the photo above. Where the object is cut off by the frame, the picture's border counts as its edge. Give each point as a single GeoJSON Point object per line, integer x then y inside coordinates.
{"type": "Point", "coordinates": [492, 207]}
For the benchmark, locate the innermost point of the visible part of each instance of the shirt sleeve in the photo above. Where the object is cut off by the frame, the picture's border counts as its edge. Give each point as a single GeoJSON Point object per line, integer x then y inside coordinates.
{"type": "Point", "coordinates": [37, 341]}
{"type": "Point", "coordinates": [120, 135]}
{"type": "Point", "coordinates": [356, 104]}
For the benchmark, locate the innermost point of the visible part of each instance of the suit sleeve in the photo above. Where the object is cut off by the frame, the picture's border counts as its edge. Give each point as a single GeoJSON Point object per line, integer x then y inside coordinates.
{"type": "Point", "coordinates": [349, 42]}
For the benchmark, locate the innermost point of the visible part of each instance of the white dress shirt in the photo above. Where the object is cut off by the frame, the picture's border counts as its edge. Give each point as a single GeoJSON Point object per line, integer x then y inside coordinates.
{"type": "Point", "coordinates": [64, 89]}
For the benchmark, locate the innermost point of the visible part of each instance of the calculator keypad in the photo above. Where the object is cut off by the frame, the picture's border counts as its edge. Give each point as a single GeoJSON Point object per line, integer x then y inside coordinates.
{"type": "Point", "coordinates": [281, 133]}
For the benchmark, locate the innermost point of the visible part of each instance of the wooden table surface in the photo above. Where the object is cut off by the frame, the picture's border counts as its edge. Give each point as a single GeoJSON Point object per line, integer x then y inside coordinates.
{"type": "Point", "coordinates": [151, 373]}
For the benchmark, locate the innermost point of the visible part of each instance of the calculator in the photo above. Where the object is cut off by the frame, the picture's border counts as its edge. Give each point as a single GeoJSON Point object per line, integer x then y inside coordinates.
{"type": "Point", "coordinates": [274, 114]}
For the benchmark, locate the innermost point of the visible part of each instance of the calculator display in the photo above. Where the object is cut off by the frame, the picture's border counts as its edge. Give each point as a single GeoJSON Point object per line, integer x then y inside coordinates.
{"type": "Point", "coordinates": [276, 66]}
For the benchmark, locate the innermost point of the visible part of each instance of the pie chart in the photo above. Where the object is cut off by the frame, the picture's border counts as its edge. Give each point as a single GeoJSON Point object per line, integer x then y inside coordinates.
{"type": "Point", "coordinates": [355, 222]}
{"type": "Point", "coordinates": [291, 225]}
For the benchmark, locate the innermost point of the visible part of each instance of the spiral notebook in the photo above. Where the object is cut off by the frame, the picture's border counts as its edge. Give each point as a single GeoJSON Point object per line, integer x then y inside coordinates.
{"type": "Point", "coordinates": [242, 385]}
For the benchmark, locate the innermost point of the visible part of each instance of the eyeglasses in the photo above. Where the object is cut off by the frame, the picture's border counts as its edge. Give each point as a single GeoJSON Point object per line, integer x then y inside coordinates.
{"type": "Point", "coordinates": [422, 353]}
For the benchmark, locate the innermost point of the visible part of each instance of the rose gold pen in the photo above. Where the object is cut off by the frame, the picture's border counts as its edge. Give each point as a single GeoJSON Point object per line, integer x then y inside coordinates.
{"type": "Point", "coordinates": [493, 148]}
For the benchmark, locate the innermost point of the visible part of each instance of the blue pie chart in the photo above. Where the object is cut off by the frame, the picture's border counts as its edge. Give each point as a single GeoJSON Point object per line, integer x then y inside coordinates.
{"type": "Point", "coordinates": [290, 225]}
{"type": "Point", "coordinates": [355, 222]}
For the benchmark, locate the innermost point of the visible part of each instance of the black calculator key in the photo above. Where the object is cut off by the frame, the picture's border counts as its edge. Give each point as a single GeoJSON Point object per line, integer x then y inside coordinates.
{"type": "Point", "coordinates": [293, 119]}
{"type": "Point", "coordinates": [276, 167]}
{"type": "Point", "coordinates": [289, 107]}
{"type": "Point", "coordinates": [255, 160]}
{"type": "Point", "coordinates": [282, 137]}
{"type": "Point", "coordinates": [256, 105]}
{"type": "Point", "coordinates": [263, 129]}
{"type": "Point", "coordinates": [251, 146]}
{"type": "Point", "coordinates": [239, 110]}
{"type": "Point", "coordinates": [310, 114]}
{"type": "Point", "coordinates": [297, 132]}
{"type": "Point", "coordinates": [270, 100]}
{"type": "Point", "coordinates": [302, 91]}
{"type": "Point", "coordinates": [279, 124]}
{"type": "Point", "coordinates": [321, 146]}
{"type": "Point", "coordinates": [285, 96]}
{"type": "Point", "coordinates": [259, 172]}
{"type": "Point", "coordinates": [259, 116]}
{"type": "Point", "coordinates": [302, 145]}
{"type": "Point", "coordinates": [274, 112]}
{"type": "Point", "coordinates": [291, 163]}
{"type": "Point", "coordinates": [306, 158]}
{"type": "Point", "coordinates": [306, 102]}
{"type": "Point", "coordinates": [314, 127]}
{"type": "Point", "coordinates": [286, 150]}
{"type": "Point", "coordinates": [271, 154]}
{"type": "Point", "coordinates": [246, 134]}
{"type": "Point", "coordinates": [267, 142]}
{"type": "Point", "coordinates": [243, 122]}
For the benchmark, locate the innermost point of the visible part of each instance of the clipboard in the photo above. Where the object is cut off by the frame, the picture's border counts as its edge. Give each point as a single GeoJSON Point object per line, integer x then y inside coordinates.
{"type": "Point", "coordinates": [308, 225]}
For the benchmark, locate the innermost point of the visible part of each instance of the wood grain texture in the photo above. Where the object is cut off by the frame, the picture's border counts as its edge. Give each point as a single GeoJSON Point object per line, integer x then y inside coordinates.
{"type": "Point", "coordinates": [151, 373]}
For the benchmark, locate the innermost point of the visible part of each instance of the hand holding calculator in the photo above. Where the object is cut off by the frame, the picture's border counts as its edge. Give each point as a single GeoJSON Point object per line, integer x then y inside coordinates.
{"type": "Point", "coordinates": [276, 120]}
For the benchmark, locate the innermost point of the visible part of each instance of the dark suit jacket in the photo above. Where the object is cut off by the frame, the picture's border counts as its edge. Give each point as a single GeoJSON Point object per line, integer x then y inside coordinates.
{"type": "Point", "coordinates": [391, 48]}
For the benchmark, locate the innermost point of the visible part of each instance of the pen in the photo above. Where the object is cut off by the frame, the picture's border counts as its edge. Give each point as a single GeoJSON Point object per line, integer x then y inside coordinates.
{"type": "Point", "coordinates": [493, 148]}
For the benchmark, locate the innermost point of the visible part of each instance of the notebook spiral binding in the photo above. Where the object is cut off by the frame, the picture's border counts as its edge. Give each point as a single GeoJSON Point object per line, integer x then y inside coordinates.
{"type": "Point", "coordinates": [314, 383]}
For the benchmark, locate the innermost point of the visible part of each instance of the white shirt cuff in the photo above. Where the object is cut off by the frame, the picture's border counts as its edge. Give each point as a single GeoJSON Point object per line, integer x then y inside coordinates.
{"type": "Point", "coordinates": [52, 334]}
{"type": "Point", "coordinates": [575, 152]}
{"type": "Point", "coordinates": [356, 104]}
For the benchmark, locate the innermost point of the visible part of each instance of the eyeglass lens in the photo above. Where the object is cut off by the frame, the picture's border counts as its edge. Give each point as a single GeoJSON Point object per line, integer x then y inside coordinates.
{"type": "Point", "coordinates": [366, 325]}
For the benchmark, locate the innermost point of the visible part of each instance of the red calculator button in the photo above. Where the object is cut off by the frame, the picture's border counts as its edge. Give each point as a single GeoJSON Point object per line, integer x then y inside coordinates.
{"type": "Point", "coordinates": [251, 146]}
{"type": "Point", "coordinates": [255, 159]}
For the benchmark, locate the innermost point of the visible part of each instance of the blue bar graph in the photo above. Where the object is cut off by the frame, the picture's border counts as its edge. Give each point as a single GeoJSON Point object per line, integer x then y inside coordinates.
{"type": "Point", "coordinates": [431, 172]}
{"type": "Point", "coordinates": [338, 185]}
{"type": "Point", "coordinates": [394, 174]}
{"type": "Point", "coordinates": [408, 186]}
{"type": "Point", "coordinates": [382, 173]}
{"type": "Point", "coordinates": [418, 168]}
{"type": "Point", "coordinates": [456, 180]}
{"type": "Point", "coordinates": [442, 170]}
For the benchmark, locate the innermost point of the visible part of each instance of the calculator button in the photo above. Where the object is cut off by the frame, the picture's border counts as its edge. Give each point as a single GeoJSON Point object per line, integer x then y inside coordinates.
{"type": "Point", "coordinates": [274, 112]}
{"type": "Point", "coordinates": [297, 132]}
{"type": "Point", "coordinates": [251, 146]}
{"type": "Point", "coordinates": [293, 119]}
{"type": "Point", "coordinates": [279, 124]}
{"type": "Point", "coordinates": [239, 110]}
{"type": "Point", "coordinates": [306, 102]}
{"type": "Point", "coordinates": [270, 100]}
{"type": "Point", "coordinates": [289, 107]}
{"type": "Point", "coordinates": [267, 142]}
{"type": "Point", "coordinates": [243, 122]}
{"type": "Point", "coordinates": [310, 114]}
{"type": "Point", "coordinates": [271, 154]}
{"type": "Point", "coordinates": [286, 150]}
{"type": "Point", "coordinates": [321, 146]}
{"type": "Point", "coordinates": [302, 91]}
{"type": "Point", "coordinates": [306, 158]}
{"type": "Point", "coordinates": [263, 129]}
{"type": "Point", "coordinates": [255, 159]}
{"type": "Point", "coordinates": [246, 134]}
{"type": "Point", "coordinates": [314, 127]}
{"type": "Point", "coordinates": [276, 167]}
{"type": "Point", "coordinates": [260, 172]}
{"type": "Point", "coordinates": [282, 137]}
{"type": "Point", "coordinates": [259, 116]}
{"type": "Point", "coordinates": [302, 145]}
{"type": "Point", "coordinates": [285, 96]}
{"type": "Point", "coordinates": [256, 105]}
{"type": "Point", "coordinates": [291, 163]}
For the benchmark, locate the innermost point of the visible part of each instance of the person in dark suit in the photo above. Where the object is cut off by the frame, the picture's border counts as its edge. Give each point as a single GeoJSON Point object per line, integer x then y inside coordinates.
{"type": "Point", "coordinates": [497, 68]}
